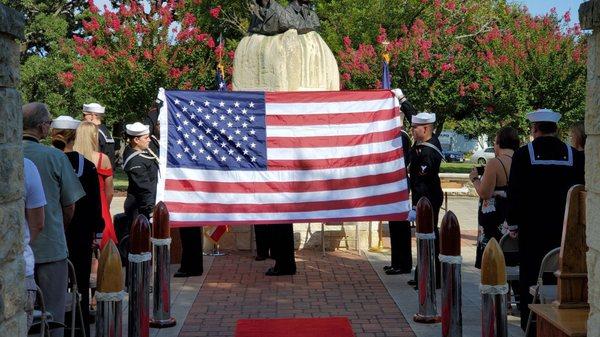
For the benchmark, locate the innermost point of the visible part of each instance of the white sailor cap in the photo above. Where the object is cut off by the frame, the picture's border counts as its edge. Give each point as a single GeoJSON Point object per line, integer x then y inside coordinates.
{"type": "Point", "coordinates": [543, 115]}
{"type": "Point", "coordinates": [65, 123]}
{"type": "Point", "coordinates": [137, 129]}
{"type": "Point", "coordinates": [93, 108]}
{"type": "Point", "coordinates": [423, 118]}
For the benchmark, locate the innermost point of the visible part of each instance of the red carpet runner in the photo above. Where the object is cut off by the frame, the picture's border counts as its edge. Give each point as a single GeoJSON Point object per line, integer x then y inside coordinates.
{"type": "Point", "coordinates": [294, 327]}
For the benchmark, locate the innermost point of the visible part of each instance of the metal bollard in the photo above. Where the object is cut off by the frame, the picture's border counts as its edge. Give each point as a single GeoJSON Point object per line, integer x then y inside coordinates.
{"type": "Point", "coordinates": [493, 292]}
{"type": "Point", "coordinates": [109, 294]}
{"type": "Point", "coordinates": [426, 264]}
{"type": "Point", "coordinates": [451, 276]}
{"type": "Point", "coordinates": [161, 291]}
{"type": "Point", "coordinates": [139, 276]}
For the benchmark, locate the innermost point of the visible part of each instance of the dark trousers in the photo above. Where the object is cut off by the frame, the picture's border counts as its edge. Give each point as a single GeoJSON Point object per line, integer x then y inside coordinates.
{"type": "Point", "coordinates": [263, 240]}
{"type": "Point", "coordinates": [283, 247]}
{"type": "Point", "coordinates": [400, 236]}
{"type": "Point", "coordinates": [438, 270]}
{"type": "Point", "coordinates": [81, 258]}
{"type": "Point", "coordinates": [191, 250]}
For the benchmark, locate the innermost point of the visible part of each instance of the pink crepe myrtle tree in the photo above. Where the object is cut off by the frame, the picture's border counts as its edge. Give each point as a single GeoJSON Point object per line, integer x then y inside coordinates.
{"type": "Point", "coordinates": [123, 55]}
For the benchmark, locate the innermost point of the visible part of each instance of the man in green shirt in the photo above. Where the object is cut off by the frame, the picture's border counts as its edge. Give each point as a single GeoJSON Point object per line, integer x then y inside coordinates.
{"type": "Point", "coordinates": [62, 190]}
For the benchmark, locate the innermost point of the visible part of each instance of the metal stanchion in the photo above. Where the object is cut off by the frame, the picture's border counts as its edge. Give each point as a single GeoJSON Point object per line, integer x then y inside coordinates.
{"type": "Point", "coordinates": [426, 264]}
{"type": "Point", "coordinates": [493, 292]}
{"type": "Point", "coordinates": [109, 293]}
{"type": "Point", "coordinates": [139, 277]}
{"type": "Point", "coordinates": [451, 276]}
{"type": "Point", "coordinates": [161, 249]}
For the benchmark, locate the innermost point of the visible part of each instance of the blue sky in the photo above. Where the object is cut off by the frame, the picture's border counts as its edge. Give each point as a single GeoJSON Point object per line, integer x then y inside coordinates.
{"type": "Point", "coordinates": [543, 6]}
{"type": "Point", "coordinates": [535, 6]}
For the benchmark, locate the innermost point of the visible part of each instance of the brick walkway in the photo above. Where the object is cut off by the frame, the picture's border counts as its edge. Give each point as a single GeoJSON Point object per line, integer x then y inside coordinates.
{"type": "Point", "coordinates": [339, 284]}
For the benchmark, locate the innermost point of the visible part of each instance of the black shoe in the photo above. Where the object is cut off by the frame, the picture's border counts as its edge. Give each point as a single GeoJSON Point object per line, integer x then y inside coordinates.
{"type": "Point", "coordinates": [412, 283]}
{"type": "Point", "coordinates": [394, 271]}
{"type": "Point", "coordinates": [386, 268]}
{"type": "Point", "coordinates": [259, 258]}
{"type": "Point", "coordinates": [276, 272]}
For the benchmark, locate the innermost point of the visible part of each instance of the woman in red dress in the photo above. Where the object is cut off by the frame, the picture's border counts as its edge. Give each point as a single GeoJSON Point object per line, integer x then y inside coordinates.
{"type": "Point", "coordinates": [86, 143]}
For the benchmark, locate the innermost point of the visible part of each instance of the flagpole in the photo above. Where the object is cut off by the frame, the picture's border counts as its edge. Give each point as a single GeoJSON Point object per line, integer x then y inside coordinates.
{"type": "Point", "coordinates": [386, 85]}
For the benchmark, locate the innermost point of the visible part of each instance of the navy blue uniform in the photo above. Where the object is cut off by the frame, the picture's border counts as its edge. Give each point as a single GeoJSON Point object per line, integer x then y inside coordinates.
{"type": "Point", "coordinates": [540, 177]}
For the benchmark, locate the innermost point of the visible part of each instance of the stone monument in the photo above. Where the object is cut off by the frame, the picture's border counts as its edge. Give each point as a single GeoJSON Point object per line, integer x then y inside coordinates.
{"type": "Point", "coordinates": [12, 269]}
{"type": "Point", "coordinates": [283, 51]}
{"type": "Point", "coordinates": [589, 16]}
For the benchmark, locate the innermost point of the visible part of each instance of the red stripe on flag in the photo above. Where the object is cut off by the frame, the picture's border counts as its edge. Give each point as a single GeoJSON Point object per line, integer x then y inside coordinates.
{"type": "Point", "coordinates": [382, 217]}
{"type": "Point", "coordinates": [332, 119]}
{"type": "Point", "coordinates": [178, 207]}
{"type": "Point", "coordinates": [320, 164]}
{"type": "Point", "coordinates": [282, 187]}
{"type": "Point", "coordinates": [326, 96]}
{"type": "Point", "coordinates": [332, 141]}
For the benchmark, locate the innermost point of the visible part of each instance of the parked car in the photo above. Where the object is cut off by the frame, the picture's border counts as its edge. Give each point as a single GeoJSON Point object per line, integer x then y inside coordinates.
{"type": "Point", "coordinates": [453, 156]}
{"type": "Point", "coordinates": [482, 156]}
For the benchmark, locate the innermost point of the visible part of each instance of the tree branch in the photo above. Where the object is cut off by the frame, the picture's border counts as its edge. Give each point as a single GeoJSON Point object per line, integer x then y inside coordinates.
{"type": "Point", "coordinates": [484, 29]}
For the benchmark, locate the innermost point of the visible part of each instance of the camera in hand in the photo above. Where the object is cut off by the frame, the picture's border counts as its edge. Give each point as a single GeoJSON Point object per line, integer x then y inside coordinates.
{"type": "Point", "coordinates": [480, 170]}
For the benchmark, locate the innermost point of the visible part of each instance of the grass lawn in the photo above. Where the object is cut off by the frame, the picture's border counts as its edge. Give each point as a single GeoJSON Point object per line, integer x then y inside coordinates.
{"type": "Point", "coordinates": [120, 180]}
{"type": "Point", "coordinates": [456, 167]}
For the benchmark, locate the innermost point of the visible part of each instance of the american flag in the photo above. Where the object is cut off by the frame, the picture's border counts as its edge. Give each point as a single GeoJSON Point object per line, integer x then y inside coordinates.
{"type": "Point", "coordinates": [275, 157]}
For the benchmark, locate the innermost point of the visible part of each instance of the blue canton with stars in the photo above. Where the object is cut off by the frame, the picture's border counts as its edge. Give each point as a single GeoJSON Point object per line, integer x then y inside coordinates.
{"type": "Point", "coordinates": [216, 130]}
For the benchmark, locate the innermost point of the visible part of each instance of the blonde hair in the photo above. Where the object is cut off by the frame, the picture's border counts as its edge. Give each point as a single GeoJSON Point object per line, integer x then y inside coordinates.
{"type": "Point", "coordinates": [86, 140]}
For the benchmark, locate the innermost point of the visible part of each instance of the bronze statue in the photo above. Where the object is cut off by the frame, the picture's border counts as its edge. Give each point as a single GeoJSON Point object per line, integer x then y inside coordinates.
{"type": "Point", "coordinates": [270, 18]}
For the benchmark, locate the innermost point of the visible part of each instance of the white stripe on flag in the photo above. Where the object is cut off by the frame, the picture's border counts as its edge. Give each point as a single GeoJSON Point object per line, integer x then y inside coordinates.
{"type": "Point", "coordinates": [332, 152]}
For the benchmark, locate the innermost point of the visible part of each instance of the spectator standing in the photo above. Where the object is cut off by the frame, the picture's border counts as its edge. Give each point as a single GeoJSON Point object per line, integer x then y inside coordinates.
{"type": "Point", "coordinates": [578, 137]}
{"type": "Point", "coordinates": [492, 189]}
{"type": "Point", "coordinates": [86, 143]}
{"type": "Point", "coordinates": [425, 160]}
{"type": "Point", "coordinates": [61, 189]}
{"type": "Point", "coordinates": [540, 177]}
{"type": "Point", "coordinates": [33, 225]}
{"type": "Point", "coordinates": [87, 220]}
{"type": "Point", "coordinates": [94, 113]}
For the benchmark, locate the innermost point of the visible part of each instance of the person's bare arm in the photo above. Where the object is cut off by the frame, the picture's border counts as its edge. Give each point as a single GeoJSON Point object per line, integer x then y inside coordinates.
{"type": "Point", "coordinates": [486, 185]}
{"type": "Point", "coordinates": [68, 212]}
{"type": "Point", "coordinates": [35, 221]}
{"type": "Point", "coordinates": [109, 190]}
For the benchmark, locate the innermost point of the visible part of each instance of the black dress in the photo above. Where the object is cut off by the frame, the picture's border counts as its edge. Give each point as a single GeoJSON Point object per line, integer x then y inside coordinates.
{"type": "Point", "coordinates": [491, 214]}
{"type": "Point", "coordinates": [87, 220]}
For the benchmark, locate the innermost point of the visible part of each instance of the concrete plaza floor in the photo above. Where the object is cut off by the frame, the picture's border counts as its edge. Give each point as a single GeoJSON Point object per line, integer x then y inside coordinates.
{"type": "Point", "coordinates": [341, 283]}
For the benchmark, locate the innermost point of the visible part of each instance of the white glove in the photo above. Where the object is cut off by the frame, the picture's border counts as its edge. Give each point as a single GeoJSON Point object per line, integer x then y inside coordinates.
{"type": "Point", "coordinates": [399, 94]}
{"type": "Point", "coordinates": [412, 215]}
